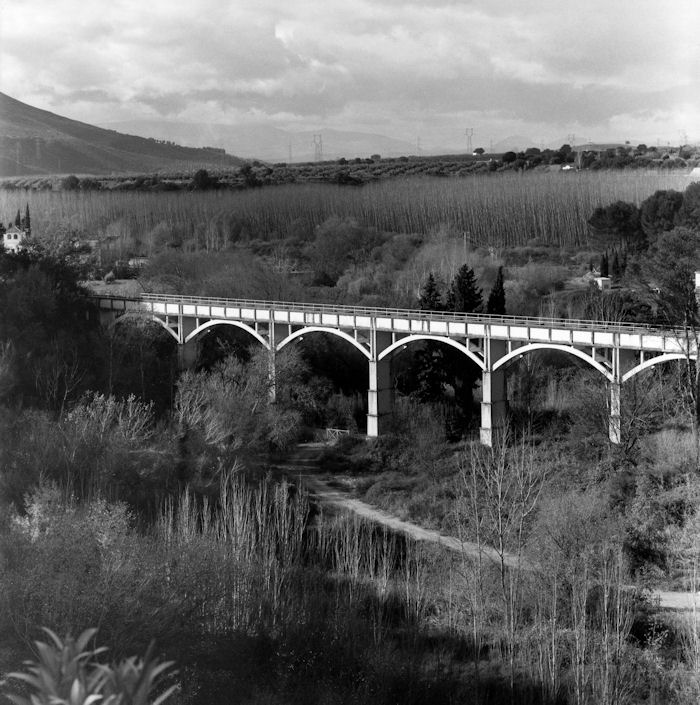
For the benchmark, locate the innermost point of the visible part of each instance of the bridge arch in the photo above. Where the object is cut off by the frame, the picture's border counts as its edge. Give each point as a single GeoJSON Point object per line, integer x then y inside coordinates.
{"type": "Point", "coordinates": [401, 342]}
{"type": "Point", "coordinates": [237, 324]}
{"type": "Point", "coordinates": [501, 362]}
{"type": "Point", "coordinates": [320, 329]}
{"type": "Point", "coordinates": [666, 357]}
{"type": "Point", "coordinates": [155, 319]}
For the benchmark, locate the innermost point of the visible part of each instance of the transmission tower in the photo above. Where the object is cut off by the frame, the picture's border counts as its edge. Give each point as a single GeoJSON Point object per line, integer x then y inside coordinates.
{"type": "Point", "coordinates": [418, 145]}
{"type": "Point", "coordinates": [318, 148]}
{"type": "Point", "coordinates": [290, 153]}
{"type": "Point", "coordinates": [469, 132]}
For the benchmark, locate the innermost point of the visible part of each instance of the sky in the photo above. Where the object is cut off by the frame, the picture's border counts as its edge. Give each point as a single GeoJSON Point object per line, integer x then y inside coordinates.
{"type": "Point", "coordinates": [602, 70]}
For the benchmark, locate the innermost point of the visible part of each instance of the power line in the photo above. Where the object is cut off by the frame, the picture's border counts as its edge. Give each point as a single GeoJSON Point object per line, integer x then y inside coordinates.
{"type": "Point", "coordinates": [318, 148]}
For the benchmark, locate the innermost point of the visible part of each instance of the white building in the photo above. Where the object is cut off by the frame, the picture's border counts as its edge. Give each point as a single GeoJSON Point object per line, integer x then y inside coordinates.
{"type": "Point", "coordinates": [14, 238]}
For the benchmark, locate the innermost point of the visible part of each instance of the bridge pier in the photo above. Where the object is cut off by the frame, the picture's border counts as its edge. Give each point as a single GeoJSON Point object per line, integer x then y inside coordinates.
{"type": "Point", "coordinates": [380, 392]}
{"type": "Point", "coordinates": [622, 361]}
{"type": "Point", "coordinates": [614, 413]}
{"type": "Point", "coordinates": [494, 396]}
{"type": "Point", "coordinates": [494, 405]}
{"type": "Point", "coordinates": [187, 354]}
{"type": "Point", "coordinates": [379, 397]}
{"type": "Point", "coordinates": [188, 351]}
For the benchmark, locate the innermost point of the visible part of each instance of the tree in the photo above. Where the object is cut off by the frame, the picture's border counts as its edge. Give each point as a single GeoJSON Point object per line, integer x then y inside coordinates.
{"type": "Point", "coordinates": [615, 268]}
{"type": "Point", "coordinates": [671, 268]}
{"type": "Point", "coordinates": [689, 212]}
{"type": "Point", "coordinates": [659, 212]}
{"type": "Point", "coordinates": [479, 151]}
{"type": "Point", "coordinates": [604, 267]}
{"type": "Point", "coordinates": [430, 298]}
{"type": "Point", "coordinates": [496, 304]}
{"type": "Point", "coordinates": [18, 219]}
{"type": "Point", "coordinates": [500, 489]}
{"type": "Point", "coordinates": [70, 183]}
{"type": "Point", "coordinates": [249, 177]}
{"type": "Point", "coordinates": [26, 221]}
{"type": "Point", "coordinates": [202, 181]}
{"type": "Point", "coordinates": [620, 220]}
{"type": "Point", "coordinates": [464, 295]}
{"type": "Point", "coordinates": [509, 157]}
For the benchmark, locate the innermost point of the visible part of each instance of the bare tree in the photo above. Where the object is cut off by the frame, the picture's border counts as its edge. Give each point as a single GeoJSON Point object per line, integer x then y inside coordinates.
{"type": "Point", "coordinates": [501, 486]}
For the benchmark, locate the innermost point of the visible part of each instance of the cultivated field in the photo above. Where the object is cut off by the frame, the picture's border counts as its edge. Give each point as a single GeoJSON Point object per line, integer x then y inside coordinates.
{"type": "Point", "coordinates": [506, 209]}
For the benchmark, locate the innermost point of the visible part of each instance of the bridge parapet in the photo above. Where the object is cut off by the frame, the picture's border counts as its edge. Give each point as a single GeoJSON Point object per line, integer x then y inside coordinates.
{"type": "Point", "coordinates": [561, 331]}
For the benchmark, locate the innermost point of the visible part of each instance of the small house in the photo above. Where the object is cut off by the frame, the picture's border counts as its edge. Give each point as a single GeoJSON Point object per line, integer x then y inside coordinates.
{"type": "Point", "coordinates": [603, 283]}
{"type": "Point", "coordinates": [13, 238]}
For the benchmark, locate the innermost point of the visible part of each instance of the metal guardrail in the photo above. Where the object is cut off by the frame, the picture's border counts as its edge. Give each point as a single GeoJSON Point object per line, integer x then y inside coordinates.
{"type": "Point", "coordinates": [415, 314]}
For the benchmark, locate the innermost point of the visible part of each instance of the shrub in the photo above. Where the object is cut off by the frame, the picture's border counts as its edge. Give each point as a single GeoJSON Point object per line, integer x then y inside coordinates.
{"type": "Point", "coordinates": [68, 673]}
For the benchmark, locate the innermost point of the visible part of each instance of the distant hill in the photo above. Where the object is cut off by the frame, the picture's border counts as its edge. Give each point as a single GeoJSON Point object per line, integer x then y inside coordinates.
{"type": "Point", "coordinates": [34, 141]}
{"type": "Point", "coordinates": [271, 144]}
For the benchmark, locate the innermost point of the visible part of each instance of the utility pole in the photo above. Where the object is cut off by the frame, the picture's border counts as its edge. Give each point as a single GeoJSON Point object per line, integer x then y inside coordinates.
{"type": "Point", "coordinates": [318, 148]}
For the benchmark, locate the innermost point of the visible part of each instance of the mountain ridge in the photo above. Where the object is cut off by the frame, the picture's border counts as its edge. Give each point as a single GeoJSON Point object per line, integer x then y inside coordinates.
{"type": "Point", "coordinates": [35, 141]}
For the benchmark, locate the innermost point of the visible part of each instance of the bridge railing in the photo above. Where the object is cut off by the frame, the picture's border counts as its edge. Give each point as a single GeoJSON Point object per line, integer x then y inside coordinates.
{"type": "Point", "coordinates": [415, 314]}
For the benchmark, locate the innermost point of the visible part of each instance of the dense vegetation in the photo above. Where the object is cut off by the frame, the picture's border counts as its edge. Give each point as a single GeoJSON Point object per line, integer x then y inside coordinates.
{"type": "Point", "coordinates": [135, 498]}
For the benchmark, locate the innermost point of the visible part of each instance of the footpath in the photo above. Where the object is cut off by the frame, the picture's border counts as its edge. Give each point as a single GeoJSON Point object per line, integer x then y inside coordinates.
{"type": "Point", "coordinates": [303, 465]}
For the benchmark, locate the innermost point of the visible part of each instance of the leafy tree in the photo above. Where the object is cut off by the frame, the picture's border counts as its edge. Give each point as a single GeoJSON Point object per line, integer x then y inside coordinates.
{"type": "Point", "coordinates": [689, 212]}
{"type": "Point", "coordinates": [202, 181]}
{"type": "Point", "coordinates": [464, 295]}
{"type": "Point", "coordinates": [339, 243]}
{"type": "Point", "coordinates": [430, 298]}
{"type": "Point", "coordinates": [249, 177]}
{"type": "Point", "coordinates": [509, 157]}
{"type": "Point", "coordinates": [70, 183]}
{"type": "Point", "coordinates": [479, 151]}
{"type": "Point", "coordinates": [620, 221]}
{"type": "Point", "coordinates": [496, 303]}
{"type": "Point", "coordinates": [47, 317]}
{"type": "Point", "coordinates": [670, 267]}
{"type": "Point", "coordinates": [659, 212]}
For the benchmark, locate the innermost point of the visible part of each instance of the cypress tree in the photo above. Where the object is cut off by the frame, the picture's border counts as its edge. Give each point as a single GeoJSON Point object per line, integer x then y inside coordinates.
{"type": "Point", "coordinates": [18, 219]}
{"type": "Point", "coordinates": [496, 303]}
{"type": "Point", "coordinates": [615, 269]}
{"type": "Point", "coordinates": [430, 298]}
{"type": "Point", "coordinates": [464, 295]}
{"type": "Point", "coordinates": [604, 265]}
{"type": "Point", "coordinates": [26, 221]}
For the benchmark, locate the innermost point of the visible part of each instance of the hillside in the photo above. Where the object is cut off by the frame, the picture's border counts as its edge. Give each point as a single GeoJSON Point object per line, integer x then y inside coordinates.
{"type": "Point", "coordinates": [34, 141]}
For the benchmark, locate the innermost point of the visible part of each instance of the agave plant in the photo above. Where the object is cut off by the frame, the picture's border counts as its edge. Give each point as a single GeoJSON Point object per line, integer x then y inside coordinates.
{"type": "Point", "coordinates": [67, 673]}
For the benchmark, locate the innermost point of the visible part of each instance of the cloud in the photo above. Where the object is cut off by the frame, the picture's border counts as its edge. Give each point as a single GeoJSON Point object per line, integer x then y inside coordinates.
{"type": "Point", "coordinates": [539, 66]}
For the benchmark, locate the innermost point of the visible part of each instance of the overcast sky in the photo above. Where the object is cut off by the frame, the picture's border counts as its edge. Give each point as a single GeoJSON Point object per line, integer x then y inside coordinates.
{"type": "Point", "coordinates": [545, 69]}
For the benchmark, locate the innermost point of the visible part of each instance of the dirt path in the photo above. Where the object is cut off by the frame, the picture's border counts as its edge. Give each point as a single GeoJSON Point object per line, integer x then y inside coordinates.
{"type": "Point", "coordinates": [304, 465]}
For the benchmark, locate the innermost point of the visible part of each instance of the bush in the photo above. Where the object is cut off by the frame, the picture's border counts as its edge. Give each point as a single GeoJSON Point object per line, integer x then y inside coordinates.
{"type": "Point", "coordinates": [67, 672]}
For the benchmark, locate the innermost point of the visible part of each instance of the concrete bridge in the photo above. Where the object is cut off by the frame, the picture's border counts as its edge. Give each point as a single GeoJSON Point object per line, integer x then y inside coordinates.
{"type": "Point", "coordinates": [617, 351]}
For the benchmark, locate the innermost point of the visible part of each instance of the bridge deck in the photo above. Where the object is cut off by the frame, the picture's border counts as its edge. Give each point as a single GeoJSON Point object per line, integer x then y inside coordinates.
{"type": "Point", "coordinates": [409, 321]}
